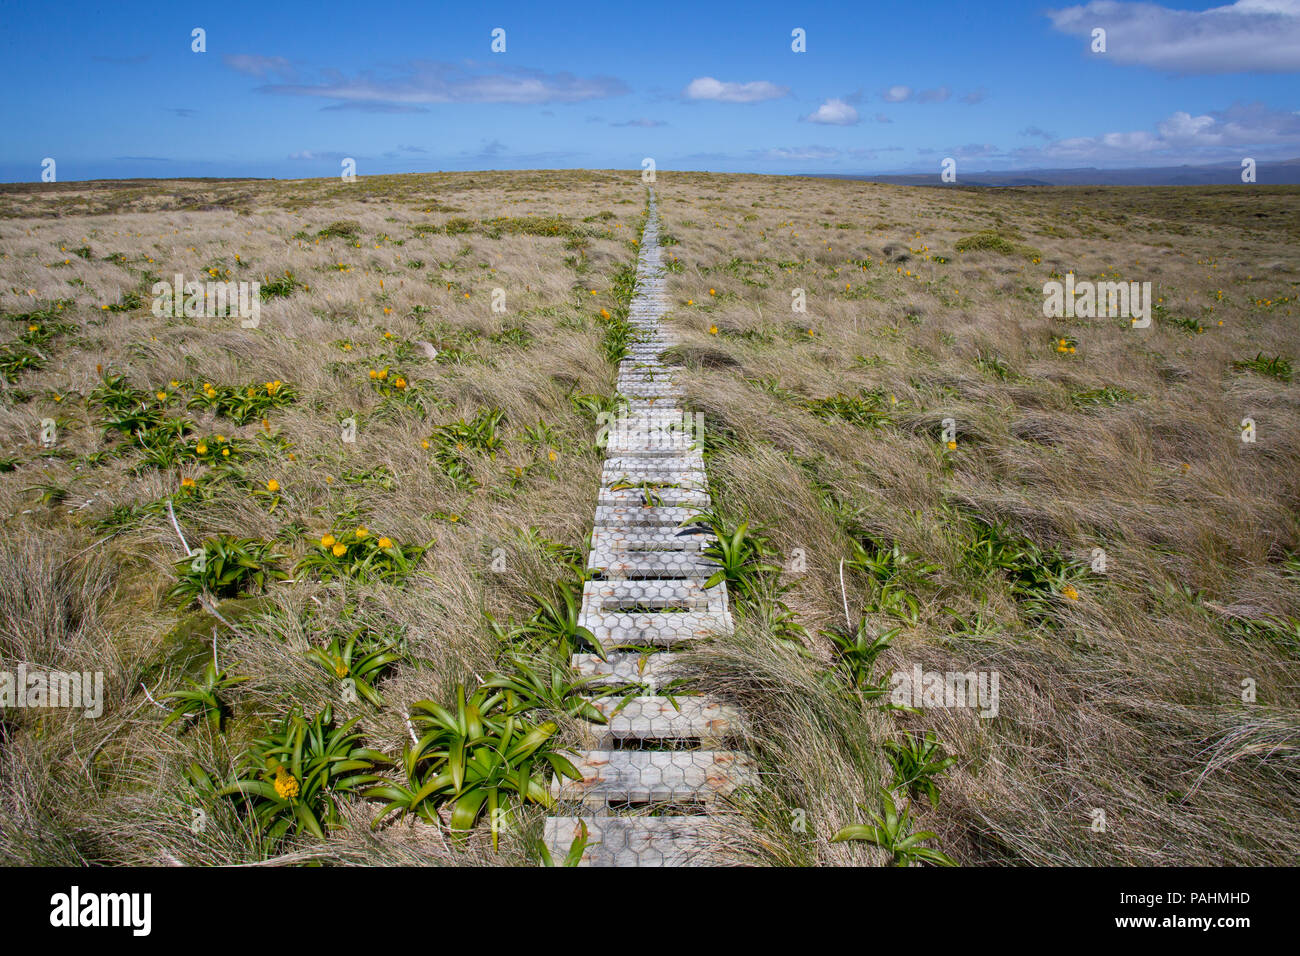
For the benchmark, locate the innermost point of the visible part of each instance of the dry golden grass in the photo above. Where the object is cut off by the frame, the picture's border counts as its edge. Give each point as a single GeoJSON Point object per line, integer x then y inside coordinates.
{"type": "Point", "coordinates": [1126, 699]}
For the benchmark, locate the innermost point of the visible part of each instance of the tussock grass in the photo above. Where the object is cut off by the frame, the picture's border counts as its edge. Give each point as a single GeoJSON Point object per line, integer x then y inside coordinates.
{"type": "Point", "coordinates": [1126, 697]}
{"type": "Point", "coordinates": [825, 429]}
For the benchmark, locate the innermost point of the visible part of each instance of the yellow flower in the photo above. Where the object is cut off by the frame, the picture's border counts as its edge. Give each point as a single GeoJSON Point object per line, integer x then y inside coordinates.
{"type": "Point", "coordinates": [952, 446]}
{"type": "Point", "coordinates": [362, 531]}
{"type": "Point", "coordinates": [327, 541]}
{"type": "Point", "coordinates": [1071, 593]}
{"type": "Point", "coordinates": [272, 485]}
{"type": "Point", "coordinates": [385, 543]}
{"type": "Point", "coordinates": [690, 301]}
{"type": "Point", "coordinates": [424, 443]}
{"type": "Point", "coordinates": [339, 669]}
{"type": "Point", "coordinates": [551, 455]}
{"type": "Point", "coordinates": [286, 785]}
{"type": "Point", "coordinates": [175, 383]}
{"type": "Point", "coordinates": [187, 482]}
{"type": "Point", "coordinates": [399, 382]}
{"type": "Point", "coordinates": [713, 330]}
{"type": "Point", "coordinates": [711, 292]}
{"type": "Point", "coordinates": [225, 452]}
{"type": "Point", "coordinates": [604, 313]}
{"type": "Point", "coordinates": [202, 449]}
{"type": "Point", "coordinates": [374, 374]}
{"type": "Point", "coordinates": [161, 396]}
{"type": "Point", "coordinates": [339, 550]}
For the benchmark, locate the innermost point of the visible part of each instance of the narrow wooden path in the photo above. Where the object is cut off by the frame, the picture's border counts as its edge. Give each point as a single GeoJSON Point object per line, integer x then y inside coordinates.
{"type": "Point", "coordinates": [654, 777]}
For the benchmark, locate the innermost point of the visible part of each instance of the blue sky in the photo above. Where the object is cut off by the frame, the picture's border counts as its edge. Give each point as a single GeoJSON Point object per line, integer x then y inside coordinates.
{"type": "Point", "coordinates": [287, 89]}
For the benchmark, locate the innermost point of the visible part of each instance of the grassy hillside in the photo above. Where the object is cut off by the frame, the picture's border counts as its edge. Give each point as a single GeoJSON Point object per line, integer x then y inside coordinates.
{"type": "Point", "coordinates": [474, 460]}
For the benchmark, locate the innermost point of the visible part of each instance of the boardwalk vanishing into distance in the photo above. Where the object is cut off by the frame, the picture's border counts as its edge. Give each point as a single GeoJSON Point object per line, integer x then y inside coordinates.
{"type": "Point", "coordinates": [661, 764]}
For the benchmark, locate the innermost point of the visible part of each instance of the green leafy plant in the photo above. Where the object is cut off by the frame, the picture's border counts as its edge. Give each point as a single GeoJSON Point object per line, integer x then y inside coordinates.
{"type": "Point", "coordinates": [555, 623]}
{"type": "Point", "coordinates": [1105, 395]}
{"type": "Point", "coordinates": [480, 757]}
{"type": "Point", "coordinates": [15, 359]}
{"type": "Point", "coordinates": [363, 556]}
{"type": "Point", "coordinates": [360, 658]}
{"type": "Point", "coordinates": [225, 566]}
{"type": "Point", "coordinates": [593, 405]}
{"type": "Point", "coordinates": [857, 649]}
{"type": "Point", "coordinates": [281, 287]}
{"type": "Point", "coordinates": [203, 699]}
{"type": "Point", "coordinates": [550, 685]}
{"type": "Point", "coordinates": [1278, 366]}
{"type": "Point", "coordinates": [891, 831]}
{"type": "Point", "coordinates": [1035, 576]}
{"type": "Point", "coordinates": [577, 847]}
{"type": "Point", "coordinates": [917, 761]}
{"type": "Point", "coordinates": [863, 412]}
{"type": "Point", "coordinates": [993, 365]}
{"type": "Point", "coordinates": [889, 564]}
{"type": "Point", "coordinates": [739, 554]}
{"type": "Point", "coordinates": [295, 775]}
{"type": "Point", "coordinates": [243, 404]}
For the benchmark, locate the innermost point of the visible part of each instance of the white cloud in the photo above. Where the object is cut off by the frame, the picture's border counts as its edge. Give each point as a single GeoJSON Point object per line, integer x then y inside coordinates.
{"type": "Point", "coordinates": [938, 95]}
{"type": "Point", "coordinates": [259, 66]}
{"type": "Point", "coordinates": [824, 155]}
{"type": "Point", "coordinates": [431, 82]}
{"type": "Point", "coordinates": [707, 88]}
{"type": "Point", "coordinates": [1182, 136]}
{"type": "Point", "coordinates": [643, 123]}
{"type": "Point", "coordinates": [1185, 128]}
{"type": "Point", "coordinates": [313, 156]}
{"type": "Point", "coordinates": [834, 112]}
{"type": "Point", "coordinates": [1249, 36]}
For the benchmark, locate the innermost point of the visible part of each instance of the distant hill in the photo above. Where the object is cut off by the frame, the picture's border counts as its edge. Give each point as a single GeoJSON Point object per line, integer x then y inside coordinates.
{"type": "Point", "coordinates": [1282, 172]}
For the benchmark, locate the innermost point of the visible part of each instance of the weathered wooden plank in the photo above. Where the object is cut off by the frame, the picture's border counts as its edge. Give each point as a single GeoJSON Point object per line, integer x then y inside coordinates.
{"type": "Point", "coordinates": [676, 718]}
{"type": "Point", "coordinates": [638, 841]}
{"type": "Point", "coordinates": [623, 667]}
{"type": "Point", "coordinates": [655, 776]}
